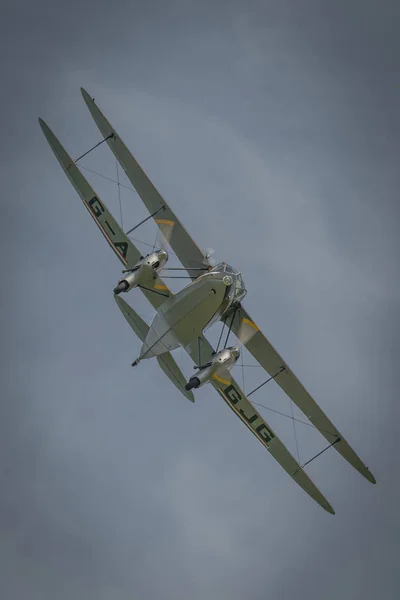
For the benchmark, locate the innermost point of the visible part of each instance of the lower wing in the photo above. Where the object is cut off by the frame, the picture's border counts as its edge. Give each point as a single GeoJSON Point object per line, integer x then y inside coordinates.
{"type": "Point", "coordinates": [266, 355]}
{"type": "Point", "coordinates": [236, 399]}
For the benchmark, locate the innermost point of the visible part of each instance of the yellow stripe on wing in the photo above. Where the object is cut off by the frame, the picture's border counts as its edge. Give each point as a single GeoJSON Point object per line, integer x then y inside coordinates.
{"type": "Point", "coordinates": [251, 323]}
{"type": "Point", "coordinates": [165, 222]}
{"type": "Point", "coordinates": [224, 381]}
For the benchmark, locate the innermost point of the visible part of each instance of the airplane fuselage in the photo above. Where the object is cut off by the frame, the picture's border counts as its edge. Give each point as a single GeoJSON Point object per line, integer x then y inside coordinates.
{"type": "Point", "coordinates": [184, 316]}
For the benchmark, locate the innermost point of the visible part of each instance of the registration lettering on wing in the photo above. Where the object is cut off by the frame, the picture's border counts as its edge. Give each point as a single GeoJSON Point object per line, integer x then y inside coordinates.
{"type": "Point", "coordinates": [102, 218]}
{"type": "Point", "coordinates": [244, 409]}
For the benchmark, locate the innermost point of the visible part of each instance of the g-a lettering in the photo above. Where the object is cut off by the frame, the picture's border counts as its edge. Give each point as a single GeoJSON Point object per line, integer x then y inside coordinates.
{"type": "Point", "coordinates": [96, 206]}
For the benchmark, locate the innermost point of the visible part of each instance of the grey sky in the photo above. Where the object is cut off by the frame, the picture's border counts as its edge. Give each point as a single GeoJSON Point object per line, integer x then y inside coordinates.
{"type": "Point", "coordinates": [272, 129]}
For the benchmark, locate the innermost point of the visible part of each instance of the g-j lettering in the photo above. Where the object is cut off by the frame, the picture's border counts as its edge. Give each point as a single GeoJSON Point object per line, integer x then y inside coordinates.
{"type": "Point", "coordinates": [262, 430]}
{"type": "Point", "coordinates": [232, 394]}
{"type": "Point", "coordinates": [248, 419]}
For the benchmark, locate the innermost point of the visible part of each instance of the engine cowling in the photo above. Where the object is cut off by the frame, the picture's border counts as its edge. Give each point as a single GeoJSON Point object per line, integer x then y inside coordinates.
{"type": "Point", "coordinates": [222, 361]}
{"type": "Point", "coordinates": [143, 271]}
{"type": "Point", "coordinates": [131, 280]}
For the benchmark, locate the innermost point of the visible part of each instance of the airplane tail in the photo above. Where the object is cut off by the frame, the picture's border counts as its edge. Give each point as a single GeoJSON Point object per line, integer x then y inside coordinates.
{"type": "Point", "coordinates": [166, 361]}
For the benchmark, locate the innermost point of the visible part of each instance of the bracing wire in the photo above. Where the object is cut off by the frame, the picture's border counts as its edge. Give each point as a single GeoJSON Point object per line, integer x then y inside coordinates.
{"type": "Point", "coordinates": [127, 187]}
{"type": "Point", "coordinates": [220, 335]}
{"type": "Point", "coordinates": [107, 178]}
{"type": "Point", "coordinates": [294, 430]}
{"type": "Point", "coordinates": [156, 238]}
{"type": "Point", "coordinates": [292, 418]}
{"type": "Point", "coordinates": [284, 414]}
{"type": "Point", "coordinates": [146, 244]}
{"type": "Point", "coordinates": [119, 195]}
{"type": "Point", "coordinates": [242, 365]}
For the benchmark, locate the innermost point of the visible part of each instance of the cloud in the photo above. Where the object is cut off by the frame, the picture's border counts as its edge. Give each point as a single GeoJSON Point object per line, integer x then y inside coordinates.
{"type": "Point", "coordinates": [272, 133]}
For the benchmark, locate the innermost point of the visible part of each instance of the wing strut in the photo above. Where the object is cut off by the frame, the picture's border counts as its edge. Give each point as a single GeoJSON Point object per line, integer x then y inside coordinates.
{"type": "Point", "coordinates": [268, 358]}
{"type": "Point", "coordinates": [230, 326]}
{"type": "Point", "coordinates": [94, 147]}
{"type": "Point", "coordinates": [322, 451]}
{"type": "Point", "coordinates": [146, 219]}
{"type": "Point", "coordinates": [190, 255]}
{"type": "Point", "coordinates": [142, 287]}
{"type": "Point", "coordinates": [267, 381]}
{"type": "Point", "coordinates": [338, 439]}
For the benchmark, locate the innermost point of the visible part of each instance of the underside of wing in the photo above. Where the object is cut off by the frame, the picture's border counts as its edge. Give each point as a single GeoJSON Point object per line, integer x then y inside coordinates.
{"type": "Point", "coordinates": [156, 291]}
{"type": "Point", "coordinates": [236, 399]}
{"type": "Point", "coordinates": [266, 355]}
{"type": "Point", "coordinates": [119, 242]}
{"type": "Point", "coordinates": [179, 239]}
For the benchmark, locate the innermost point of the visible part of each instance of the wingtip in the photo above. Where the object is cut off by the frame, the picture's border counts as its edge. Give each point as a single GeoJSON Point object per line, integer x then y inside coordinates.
{"type": "Point", "coordinates": [85, 95]}
{"type": "Point", "coordinates": [323, 502]}
{"type": "Point", "coordinates": [188, 394]}
{"type": "Point", "coordinates": [45, 128]}
{"type": "Point", "coordinates": [370, 477]}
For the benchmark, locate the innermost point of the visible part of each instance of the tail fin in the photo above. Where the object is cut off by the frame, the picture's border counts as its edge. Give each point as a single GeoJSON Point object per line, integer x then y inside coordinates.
{"type": "Point", "coordinates": [166, 361]}
{"type": "Point", "coordinates": [173, 372]}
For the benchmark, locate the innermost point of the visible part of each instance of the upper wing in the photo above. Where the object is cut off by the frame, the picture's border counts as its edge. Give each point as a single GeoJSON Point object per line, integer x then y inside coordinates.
{"type": "Point", "coordinates": [186, 249]}
{"type": "Point", "coordinates": [119, 242]}
{"type": "Point", "coordinates": [237, 401]}
{"type": "Point", "coordinates": [268, 357]}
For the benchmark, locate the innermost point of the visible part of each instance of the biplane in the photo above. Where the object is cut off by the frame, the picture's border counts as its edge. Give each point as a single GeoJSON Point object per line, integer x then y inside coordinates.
{"type": "Point", "coordinates": [214, 293]}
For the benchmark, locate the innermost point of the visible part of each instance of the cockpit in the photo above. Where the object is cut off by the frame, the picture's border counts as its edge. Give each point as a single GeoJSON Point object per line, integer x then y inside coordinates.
{"type": "Point", "coordinates": [238, 289]}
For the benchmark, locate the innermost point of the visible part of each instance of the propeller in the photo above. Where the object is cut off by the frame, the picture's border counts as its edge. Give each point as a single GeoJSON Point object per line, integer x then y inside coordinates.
{"type": "Point", "coordinates": [166, 228]}
{"type": "Point", "coordinates": [208, 260]}
{"type": "Point", "coordinates": [164, 235]}
{"type": "Point", "coordinates": [245, 333]}
{"type": "Point", "coordinates": [247, 330]}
